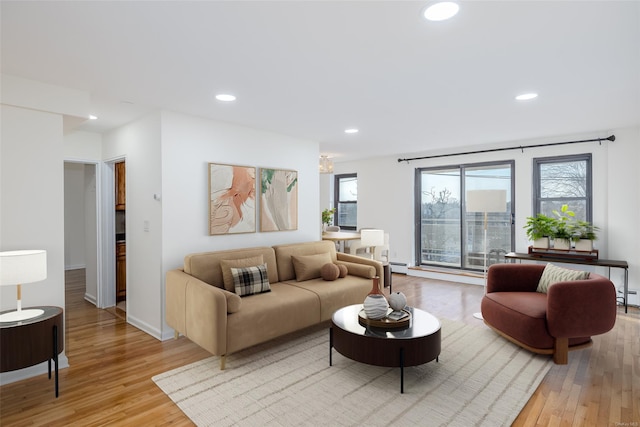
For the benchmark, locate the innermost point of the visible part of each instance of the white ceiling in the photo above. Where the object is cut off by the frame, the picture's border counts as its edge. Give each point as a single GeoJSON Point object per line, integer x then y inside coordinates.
{"type": "Point", "coordinates": [310, 69]}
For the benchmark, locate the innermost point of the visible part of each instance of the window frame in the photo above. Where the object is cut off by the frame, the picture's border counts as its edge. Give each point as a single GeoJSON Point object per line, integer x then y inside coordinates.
{"type": "Point", "coordinates": [462, 167]}
{"type": "Point", "coordinates": [337, 201]}
{"type": "Point", "coordinates": [537, 199]}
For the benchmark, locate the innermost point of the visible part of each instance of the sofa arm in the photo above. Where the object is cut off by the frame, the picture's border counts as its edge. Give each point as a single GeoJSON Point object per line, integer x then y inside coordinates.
{"type": "Point", "coordinates": [513, 277]}
{"type": "Point", "coordinates": [581, 308]}
{"type": "Point", "coordinates": [365, 261]}
{"type": "Point", "coordinates": [197, 310]}
{"type": "Point", "coordinates": [175, 300]}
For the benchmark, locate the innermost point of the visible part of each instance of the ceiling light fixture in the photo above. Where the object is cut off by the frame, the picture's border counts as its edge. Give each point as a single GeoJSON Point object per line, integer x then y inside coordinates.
{"type": "Point", "coordinates": [225, 97]}
{"type": "Point", "coordinates": [351, 130]}
{"type": "Point", "coordinates": [441, 10]}
{"type": "Point", "coordinates": [526, 96]}
{"type": "Point", "coordinates": [92, 117]}
{"type": "Point", "coordinates": [326, 164]}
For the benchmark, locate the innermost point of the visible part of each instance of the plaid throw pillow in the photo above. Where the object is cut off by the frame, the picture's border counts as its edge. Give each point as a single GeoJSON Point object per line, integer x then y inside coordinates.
{"type": "Point", "coordinates": [251, 280]}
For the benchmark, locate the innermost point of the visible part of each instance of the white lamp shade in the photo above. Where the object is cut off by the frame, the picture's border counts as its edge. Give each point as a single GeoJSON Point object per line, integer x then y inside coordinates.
{"type": "Point", "coordinates": [486, 200]}
{"type": "Point", "coordinates": [372, 237]}
{"type": "Point", "coordinates": [18, 267]}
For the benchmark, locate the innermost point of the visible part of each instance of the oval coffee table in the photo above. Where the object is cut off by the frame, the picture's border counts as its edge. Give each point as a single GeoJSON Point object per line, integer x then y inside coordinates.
{"type": "Point", "coordinates": [417, 344]}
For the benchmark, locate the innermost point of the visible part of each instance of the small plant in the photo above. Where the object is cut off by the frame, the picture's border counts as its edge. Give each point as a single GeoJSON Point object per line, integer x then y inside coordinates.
{"type": "Point", "coordinates": [583, 230]}
{"type": "Point", "coordinates": [327, 216]}
{"type": "Point", "coordinates": [563, 223]}
{"type": "Point", "coordinates": [539, 226]}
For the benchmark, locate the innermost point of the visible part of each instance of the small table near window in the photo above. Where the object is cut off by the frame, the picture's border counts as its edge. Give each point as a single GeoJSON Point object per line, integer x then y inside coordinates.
{"type": "Point", "coordinates": [340, 237]}
{"type": "Point", "coordinates": [28, 342]}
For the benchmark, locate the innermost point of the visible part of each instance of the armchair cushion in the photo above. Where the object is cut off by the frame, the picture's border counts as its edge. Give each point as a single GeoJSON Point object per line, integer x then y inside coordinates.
{"type": "Point", "coordinates": [554, 274]}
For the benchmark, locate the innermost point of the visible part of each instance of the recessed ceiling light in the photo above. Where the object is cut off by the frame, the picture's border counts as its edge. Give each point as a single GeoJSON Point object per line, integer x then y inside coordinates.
{"type": "Point", "coordinates": [92, 117]}
{"type": "Point", "coordinates": [351, 130]}
{"type": "Point", "coordinates": [526, 96]}
{"type": "Point", "coordinates": [441, 11]}
{"type": "Point", "coordinates": [225, 97]}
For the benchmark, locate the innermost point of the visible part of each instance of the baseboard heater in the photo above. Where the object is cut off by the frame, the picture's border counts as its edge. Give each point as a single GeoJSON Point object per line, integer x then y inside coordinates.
{"type": "Point", "coordinates": [399, 267]}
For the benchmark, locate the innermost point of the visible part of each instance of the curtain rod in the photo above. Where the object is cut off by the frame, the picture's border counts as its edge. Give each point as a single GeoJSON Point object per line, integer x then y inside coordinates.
{"type": "Point", "coordinates": [521, 147]}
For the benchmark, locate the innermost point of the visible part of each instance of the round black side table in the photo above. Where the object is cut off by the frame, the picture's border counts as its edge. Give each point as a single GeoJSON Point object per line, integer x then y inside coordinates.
{"type": "Point", "coordinates": [28, 342]}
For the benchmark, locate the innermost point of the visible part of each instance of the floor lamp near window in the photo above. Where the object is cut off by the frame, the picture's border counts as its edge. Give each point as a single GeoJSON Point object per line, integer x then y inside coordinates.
{"type": "Point", "coordinates": [486, 201]}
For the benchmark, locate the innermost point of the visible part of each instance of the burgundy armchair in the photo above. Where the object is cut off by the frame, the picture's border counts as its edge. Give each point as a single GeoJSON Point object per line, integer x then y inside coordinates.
{"type": "Point", "coordinates": [563, 319]}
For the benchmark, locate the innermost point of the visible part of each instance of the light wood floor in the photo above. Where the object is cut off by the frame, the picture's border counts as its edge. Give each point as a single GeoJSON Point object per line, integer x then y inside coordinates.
{"type": "Point", "coordinates": [109, 380]}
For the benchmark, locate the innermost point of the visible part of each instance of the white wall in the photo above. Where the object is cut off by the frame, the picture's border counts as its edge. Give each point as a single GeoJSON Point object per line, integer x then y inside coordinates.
{"type": "Point", "coordinates": [83, 146]}
{"type": "Point", "coordinates": [386, 192]}
{"type": "Point", "coordinates": [32, 206]}
{"type": "Point", "coordinates": [189, 144]}
{"type": "Point", "coordinates": [139, 143]}
{"type": "Point", "coordinates": [167, 157]}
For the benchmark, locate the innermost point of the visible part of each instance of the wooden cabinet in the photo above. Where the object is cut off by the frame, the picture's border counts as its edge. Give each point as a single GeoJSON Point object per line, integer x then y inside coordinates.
{"type": "Point", "coordinates": [121, 271]}
{"type": "Point", "coordinates": [120, 186]}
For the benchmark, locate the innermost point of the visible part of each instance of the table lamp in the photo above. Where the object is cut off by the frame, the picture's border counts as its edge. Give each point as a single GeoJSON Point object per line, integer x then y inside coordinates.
{"type": "Point", "coordinates": [486, 201]}
{"type": "Point", "coordinates": [17, 268]}
{"type": "Point", "coordinates": [372, 238]}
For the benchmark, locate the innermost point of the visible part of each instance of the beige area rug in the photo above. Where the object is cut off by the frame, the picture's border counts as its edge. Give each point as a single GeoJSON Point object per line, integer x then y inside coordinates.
{"type": "Point", "coordinates": [481, 379]}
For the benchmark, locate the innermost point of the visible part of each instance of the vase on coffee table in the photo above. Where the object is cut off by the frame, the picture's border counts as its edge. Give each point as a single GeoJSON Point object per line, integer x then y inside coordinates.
{"type": "Point", "coordinates": [375, 304]}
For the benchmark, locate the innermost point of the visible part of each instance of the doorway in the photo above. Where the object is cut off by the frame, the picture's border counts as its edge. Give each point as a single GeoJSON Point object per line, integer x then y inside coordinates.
{"type": "Point", "coordinates": [81, 234]}
{"type": "Point", "coordinates": [120, 185]}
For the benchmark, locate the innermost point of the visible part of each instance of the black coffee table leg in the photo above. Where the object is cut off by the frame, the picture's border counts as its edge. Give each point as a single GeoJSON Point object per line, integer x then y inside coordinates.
{"type": "Point", "coordinates": [401, 370]}
{"type": "Point", "coordinates": [330, 346]}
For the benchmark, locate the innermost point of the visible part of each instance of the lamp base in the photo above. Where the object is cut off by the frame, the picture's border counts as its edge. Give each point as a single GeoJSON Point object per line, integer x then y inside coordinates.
{"type": "Point", "coordinates": [478, 316]}
{"type": "Point", "coordinates": [16, 316]}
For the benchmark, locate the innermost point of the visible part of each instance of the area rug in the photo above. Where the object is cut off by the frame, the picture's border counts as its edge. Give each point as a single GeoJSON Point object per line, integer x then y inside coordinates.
{"type": "Point", "coordinates": [481, 379]}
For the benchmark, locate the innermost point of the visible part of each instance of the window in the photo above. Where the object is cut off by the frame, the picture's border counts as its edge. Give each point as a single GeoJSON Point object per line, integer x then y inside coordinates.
{"type": "Point", "coordinates": [447, 235]}
{"type": "Point", "coordinates": [563, 181]}
{"type": "Point", "coordinates": [346, 201]}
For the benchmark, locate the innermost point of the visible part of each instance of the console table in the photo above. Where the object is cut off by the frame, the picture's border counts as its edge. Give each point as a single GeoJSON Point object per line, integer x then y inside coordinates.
{"type": "Point", "coordinates": [28, 342]}
{"type": "Point", "coordinates": [609, 263]}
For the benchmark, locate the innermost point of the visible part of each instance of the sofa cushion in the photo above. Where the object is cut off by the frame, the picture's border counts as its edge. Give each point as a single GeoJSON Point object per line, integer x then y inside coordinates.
{"type": "Point", "coordinates": [343, 270]}
{"type": "Point", "coordinates": [308, 267]}
{"type": "Point", "coordinates": [206, 265]}
{"type": "Point", "coordinates": [265, 316]}
{"type": "Point", "coordinates": [227, 264]}
{"type": "Point", "coordinates": [329, 272]}
{"type": "Point", "coordinates": [251, 280]}
{"type": "Point", "coordinates": [554, 274]}
{"type": "Point", "coordinates": [283, 253]}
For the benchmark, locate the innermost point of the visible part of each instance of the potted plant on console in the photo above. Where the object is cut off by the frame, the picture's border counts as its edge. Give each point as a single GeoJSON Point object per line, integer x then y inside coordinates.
{"type": "Point", "coordinates": [583, 234]}
{"type": "Point", "coordinates": [539, 228]}
{"type": "Point", "coordinates": [562, 228]}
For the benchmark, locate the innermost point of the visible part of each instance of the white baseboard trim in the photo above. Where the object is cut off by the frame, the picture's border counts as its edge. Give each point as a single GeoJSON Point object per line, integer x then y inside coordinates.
{"type": "Point", "coordinates": [74, 267]}
{"type": "Point", "coordinates": [92, 299]}
{"type": "Point", "coordinates": [33, 371]}
{"type": "Point", "coordinates": [168, 334]}
{"type": "Point", "coordinates": [449, 277]}
{"type": "Point", "coordinates": [144, 327]}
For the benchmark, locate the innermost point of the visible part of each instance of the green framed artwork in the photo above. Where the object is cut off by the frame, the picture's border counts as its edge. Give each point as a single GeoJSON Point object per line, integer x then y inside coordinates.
{"type": "Point", "coordinates": [278, 200]}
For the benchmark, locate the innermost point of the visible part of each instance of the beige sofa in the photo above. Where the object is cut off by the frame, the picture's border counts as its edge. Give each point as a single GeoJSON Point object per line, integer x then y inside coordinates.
{"type": "Point", "coordinates": [222, 322]}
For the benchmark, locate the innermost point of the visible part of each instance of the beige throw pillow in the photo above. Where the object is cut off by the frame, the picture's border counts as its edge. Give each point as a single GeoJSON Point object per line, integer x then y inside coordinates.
{"type": "Point", "coordinates": [227, 264]}
{"type": "Point", "coordinates": [554, 274]}
{"type": "Point", "coordinates": [308, 267]}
